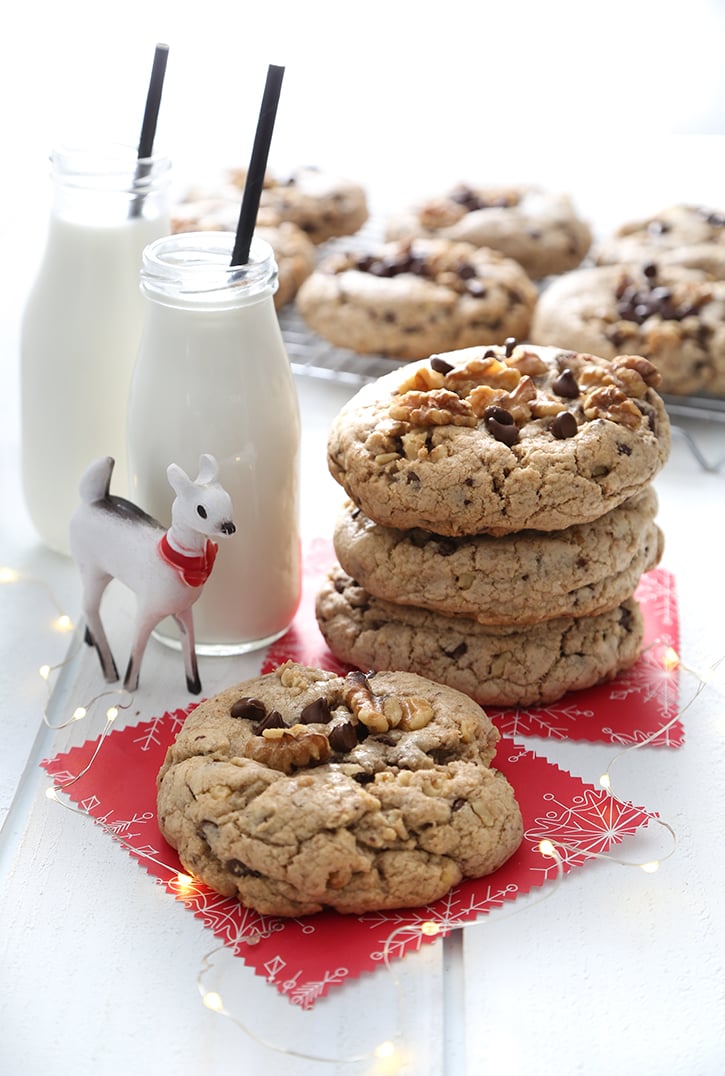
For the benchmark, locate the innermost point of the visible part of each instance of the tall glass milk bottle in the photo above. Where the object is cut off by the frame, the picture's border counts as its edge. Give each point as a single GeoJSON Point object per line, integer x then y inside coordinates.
{"type": "Point", "coordinates": [213, 375]}
{"type": "Point", "coordinates": [82, 325]}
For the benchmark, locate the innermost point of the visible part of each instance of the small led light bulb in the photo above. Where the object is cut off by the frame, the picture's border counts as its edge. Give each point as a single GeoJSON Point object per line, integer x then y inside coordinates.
{"type": "Point", "coordinates": [8, 575]}
{"type": "Point", "coordinates": [112, 713]}
{"type": "Point", "coordinates": [79, 713]}
{"type": "Point", "coordinates": [547, 848]}
{"type": "Point", "coordinates": [605, 781]}
{"type": "Point", "coordinates": [651, 867]}
{"type": "Point", "coordinates": [670, 659]}
{"type": "Point", "coordinates": [430, 929]}
{"type": "Point", "coordinates": [213, 1001]}
{"type": "Point", "coordinates": [44, 671]}
{"type": "Point", "coordinates": [184, 882]}
{"type": "Point", "coordinates": [63, 623]}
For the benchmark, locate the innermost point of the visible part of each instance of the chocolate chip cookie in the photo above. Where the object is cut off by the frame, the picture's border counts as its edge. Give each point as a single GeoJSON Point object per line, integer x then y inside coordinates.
{"type": "Point", "coordinates": [405, 300]}
{"type": "Point", "coordinates": [540, 229]}
{"type": "Point", "coordinates": [322, 204]}
{"type": "Point", "coordinates": [523, 578]}
{"type": "Point", "coordinates": [302, 790]}
{"type": "Point", "coordinates": [692, 236]}
{"type": "Point", "coordinates": [294, 252]}
{"type": "Point", "coordinates": [496, 666]}
{"type": "Point", "coordinates": [673, 316]}
{"type": "Point", "coordinates": [500, 439]}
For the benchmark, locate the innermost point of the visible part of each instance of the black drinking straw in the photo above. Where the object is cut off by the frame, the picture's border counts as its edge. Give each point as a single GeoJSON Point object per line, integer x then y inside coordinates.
{"type": "Point", "coordinates": [150, 118]}
{"type": "Point", "coordinates": [257, 166]}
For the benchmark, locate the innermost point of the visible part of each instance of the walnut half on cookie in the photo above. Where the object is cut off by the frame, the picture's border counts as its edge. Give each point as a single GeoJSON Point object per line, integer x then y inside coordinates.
{"type": "Point", "coordinates": [302, 790]}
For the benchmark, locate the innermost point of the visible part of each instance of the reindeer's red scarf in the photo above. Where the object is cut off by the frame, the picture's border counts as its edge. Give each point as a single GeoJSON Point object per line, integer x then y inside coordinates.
{"type": "Point", "coordinates": [194, 570]}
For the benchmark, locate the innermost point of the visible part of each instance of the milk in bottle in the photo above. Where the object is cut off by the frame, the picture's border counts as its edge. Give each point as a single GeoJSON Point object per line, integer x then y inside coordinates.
{"type": "Point", "coordinates": [213, 376]}
{"type": "Point", "coordinates": [82, 325]}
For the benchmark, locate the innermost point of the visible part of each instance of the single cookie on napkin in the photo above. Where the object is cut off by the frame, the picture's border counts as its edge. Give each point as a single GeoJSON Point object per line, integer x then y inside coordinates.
{"type": "Point", "coordinates": [301, 790]}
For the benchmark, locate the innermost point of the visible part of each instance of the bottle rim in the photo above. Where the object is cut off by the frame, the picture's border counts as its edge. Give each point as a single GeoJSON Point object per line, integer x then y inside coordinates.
{"type": "Point", "coordinates": [112, 166]}
{"type": "Point", "coordinates": [196, 266]}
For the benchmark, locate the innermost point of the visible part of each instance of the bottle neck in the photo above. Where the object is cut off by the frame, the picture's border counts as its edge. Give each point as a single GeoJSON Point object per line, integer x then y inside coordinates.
{"type": "Point", "coordinates": [106, 186]}
{"type": "Point", "coordinates": [193, 270]}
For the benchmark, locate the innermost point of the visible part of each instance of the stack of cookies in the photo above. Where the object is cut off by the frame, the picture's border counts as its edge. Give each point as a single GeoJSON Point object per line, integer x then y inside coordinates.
{"type": "Point", "coordinates": [501, 514]}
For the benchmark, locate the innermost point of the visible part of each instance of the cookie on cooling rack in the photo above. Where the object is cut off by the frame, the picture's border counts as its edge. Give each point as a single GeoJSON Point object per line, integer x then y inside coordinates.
{"type": "Point", "coordinates": [523, 578]}
{"type": "Point", "coordinates": [294, 252]}
{"type": "Point", "coordinates": [672, 315]}
{"type": "Point", "coordinates": [322, 204]}
{"type": "Point", "coordinates": [406, 299]}
{"type": "Point", "coordinates": [302, 790]}
{"type": "Point", "coordinates": [502, 439]}
{"type": "Point", "coordinates": [692, 236]}
{"type": "Point", "coordinates": [496, 666]}
{"type": "Point", "coordinates": [540, 229]}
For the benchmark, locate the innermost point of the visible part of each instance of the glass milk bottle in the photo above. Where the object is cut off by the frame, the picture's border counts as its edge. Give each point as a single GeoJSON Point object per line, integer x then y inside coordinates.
{"type": "Point", "coordinates": [213, 376]}
{"type": "Point", "coordinates": [82, 325]}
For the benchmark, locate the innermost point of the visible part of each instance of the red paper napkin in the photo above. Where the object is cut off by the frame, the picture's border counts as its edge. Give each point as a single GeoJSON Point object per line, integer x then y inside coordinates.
{"type": "Point", "coordinates": [304, 958]}
{"type": "Point", "coordinates": [640, 705]}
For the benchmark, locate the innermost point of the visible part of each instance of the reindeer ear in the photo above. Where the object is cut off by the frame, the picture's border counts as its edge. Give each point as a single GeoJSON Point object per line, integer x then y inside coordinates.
{"type": "Point", "coordinates": [178, 478]}
{"type": "Point", "coordinates": [208, 469]}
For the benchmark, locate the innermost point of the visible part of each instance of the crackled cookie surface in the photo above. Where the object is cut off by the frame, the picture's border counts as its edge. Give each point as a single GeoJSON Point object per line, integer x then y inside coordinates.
{"type": "Point", "coordinates": [407, 299]}
{"type": "Point", "coordinates": [672, 315]}
{"type": "Point", "coordinates": [521, 578]}
{"type": "Point", "coordinates": [495, 440]}
{"type": "Point", "coordinates": [302, 790]}
{"type": "Point", "coordinates": [692, 236]}
{"type": "Point", "coordinates": [540, 229]}
{"type": "Point", "coordinates": [497, 666]}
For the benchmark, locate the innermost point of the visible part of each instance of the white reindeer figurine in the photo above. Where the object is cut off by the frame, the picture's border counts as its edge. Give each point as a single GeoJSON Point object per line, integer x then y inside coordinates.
{"type": "Point", "coordinates": [111, 538]}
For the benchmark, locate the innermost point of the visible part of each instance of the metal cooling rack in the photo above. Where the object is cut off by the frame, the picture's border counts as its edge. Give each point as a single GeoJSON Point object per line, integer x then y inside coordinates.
{"type": "Point", "coordinates": [312, 356]}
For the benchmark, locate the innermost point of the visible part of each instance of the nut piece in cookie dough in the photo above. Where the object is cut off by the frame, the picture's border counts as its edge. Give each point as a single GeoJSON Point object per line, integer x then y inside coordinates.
{"type": "Point", "coordinates": [539, 229]}
{"type": "Point", "coordinates": [494, 440]}
{"type": "Point", "coordinates": [301, 790]}
{"type": "Point", "coordinates": [407, 299]}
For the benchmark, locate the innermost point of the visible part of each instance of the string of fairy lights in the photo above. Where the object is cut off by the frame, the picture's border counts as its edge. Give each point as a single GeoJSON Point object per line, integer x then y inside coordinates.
{"type": "Point", "coordinates": [389, 1056]}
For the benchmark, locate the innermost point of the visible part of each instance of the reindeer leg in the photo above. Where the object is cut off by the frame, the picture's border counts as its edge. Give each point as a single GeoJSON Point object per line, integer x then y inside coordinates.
{"type": "Point", "coordinates": [144, 627]}
{"type": "Point", "coordinates": [185, 622]}
{"type": "Point", "coordinates": [94, 585]}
